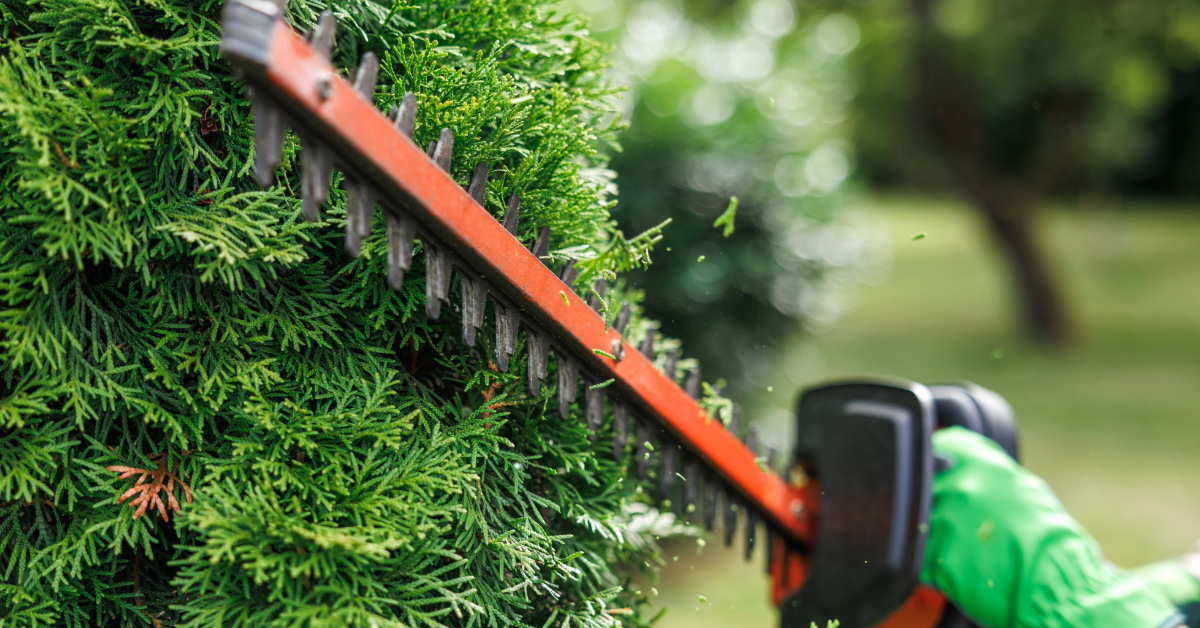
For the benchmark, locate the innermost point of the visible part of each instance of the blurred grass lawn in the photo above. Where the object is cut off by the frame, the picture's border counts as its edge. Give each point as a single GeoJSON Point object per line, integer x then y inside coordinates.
{"type": "Point", "coordinates": [1113, 423]}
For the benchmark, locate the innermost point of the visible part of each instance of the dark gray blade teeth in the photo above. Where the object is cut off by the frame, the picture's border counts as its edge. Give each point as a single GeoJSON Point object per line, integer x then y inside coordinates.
{"type": "Point", "coordinates": [731, 508]}
{"type": "Point", "coordinates": [751, 441]}
{"type": "Point", "coordinates": [400, 231]}
{"type": "Point", "coordinates": [693, 385]}
{"type": "Point", "coordinates": [669, 367]}
{"type": "Point", "coordinates": [429, 151]}
{"type": "Point", "coordinates": [594, 410]}
{"type": "Point", "coordinates": [623, 318]}
{"type": "Point", "coordinates": [568, 377]}
{"type": "Point", "coordinates": [735, 420]}
{"type": "Point", "coordinates": [444, 151]}
{"type": "Point", "coordinates": [751, 530]}
{"type": "Point", "coordinates": [771, 453]}
{"type": "Point", "coordinates": [539, 350]}
{"type": "Point", "coordinates": [769, 535]}
{"type": "Point", "coordinates": [512, 215]}
{"type": "Point", "coordinates": [322, 36]}
{"type": "Point", "coordinates": [594, 302]}
{"type": "Point", "coordinates": [437, 279]}
{"type": "Point", "coordinates": [360, 205]}
{"type": "Point", "coordinates": [478, 188]}
{"type": "Point", "coordinates": [541, 248]}
{"type": "Point", "coordinates": [645, 433]}
{"type": "Point", "coordinates": [269, 129]}
{"type": "Point", "coordinates": [647, 348]}
{"type": "Point", "coordinates": [406, 116]}
{"type": "Point", "coordinates": [568, 274]}
{"type": "Point", "coordinates": [712, 490]}
{"type": "Point", "coordinates": [691, 485]}
{"type": "Point", "coordinates": [620, 429]}
{"type": "Point", "coordinates": [316, 165]}
{"type": "Point", "coordinates": [506, 334]}
{"type": "Point", "coordinates": [670, 459]}
{"type": "Point", "coordinates": [365, 77]}
{"type": "Point", "coordinates": [474, 296]}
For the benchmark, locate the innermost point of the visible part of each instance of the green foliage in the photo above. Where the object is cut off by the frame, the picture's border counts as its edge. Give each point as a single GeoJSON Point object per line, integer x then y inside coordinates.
{"type": "Point", "coordinates": [351, 462]}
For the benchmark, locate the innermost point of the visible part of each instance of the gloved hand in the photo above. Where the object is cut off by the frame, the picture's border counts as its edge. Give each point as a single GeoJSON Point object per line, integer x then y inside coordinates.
{"type": "Point", "coordinates": [1003, 549]}
{"type": "Point", "coordinates": [1178, 580]}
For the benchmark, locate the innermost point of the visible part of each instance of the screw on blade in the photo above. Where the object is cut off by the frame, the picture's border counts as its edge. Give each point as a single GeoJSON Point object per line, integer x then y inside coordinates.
{"type": "Point", "coordinates": [622, 318]}
{"type": "Point", "coordinates": [365, 77]}
{"type": "Point", "coordinates": [316, 165]}
{"type": "Point", "coordinates": [406, 114]}
{"type": "Point", "coordinates": [437, 278]}
{"type": "Point", "coordinates": [269, 129]}
{"type": "Point", "coordinates": [670, 460]}
{"type": "Point", "coordinates": [568, 377]}
{"type": "Point", "coordinates": [751, 530]}
{"type": "Point", "coordinates": [712, 489]}
{"type": "Point", "coordinates": [669, 367]}
{"type": "Point", "coordinates": [593, 301]}
{"type": "Point", "coordinates": [478, 188]}
{"type": "Point", "coordinates": [539, 350]}
{"type": "Point", "coordinates": [594, 410]}
{"type": "Point", "coordinates": [691, 485]}
{"type": "Point", "coordinates": [693, 385]}
{"type": "Point", "coordinates": [506, 334]}
{"type": "Point", "coordinates": [731, 510]}
{"type": "Point", "coordinates": [568, 274]}
{"type": "Point", "coordinates": [444, 151]}
{"type": "Point", "coordinates": [512, 215]}
{"type": "Point", "coordinates": [645, 433]}
{"type": "Point", "coordinates": [360, 204]}
{"type": "Point", "coordinates": [647, 348]}
{"type": "Point", "coordinates": [620, 429]}
{"type": "Point", "coordinates": [322, 36]}
{"type": "Point", "coordinates": [400, 231]}
{"type": "Point", "coordinates": [474, 296]}
{"type": "Point", "coordinates": [541, 248]}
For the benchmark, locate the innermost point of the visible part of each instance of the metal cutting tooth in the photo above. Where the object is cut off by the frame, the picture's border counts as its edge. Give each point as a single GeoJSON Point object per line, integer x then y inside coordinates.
{"type": "Point", "coordinates": [316, 162]}
{"type": "Point", "coordinates": [694, 383]}
{"type": "Point", "coordinates": [512, 215]}
{"type": "Point", "coordinates": [444, 151]}
{"type": "Point", "coordinates": [770, 455]}
{"type": "Point", "coordinates": [541, 247]}
{"type": "Point", "coordinates": [593, 301]}
{"type": "Point", "coordinates": [474, 296]}
{"type": "Point", "coordinates": [539, 349]}
{"type": "Point", "coordinates": [506, 334]}
{"type": "Point", "coordinates": [691, 485]}
{"type": "Point", "coordinates": [269, 129]}
{"type": "Point", "coordinates": [437, 278]}
{"type": "Point", "coordinates": [751, 530]}
{"type": "Point", "coordinates": [735, 420]}
{"type": "Point", "coordinates": [365, 77]}
{"type": "Point", "coordinates": [731, 507]}
{"type": "Point", "coordinates": [670, 460]}
{"type": "Point", "coordinates": [647, 348]}
{"type": "Point", "coordinates": [620, 429]}
{"type": "Point", "coordinates": [645, 433]}
{"type": "Point", "coordinates": [429, 151]}
{"type": "Point", "coordinates": [478, 188]}
{"type": "Point", "coordinates": [322, 36]}
{"type": "Point", "coordinates": [769, 536]}
{"type": "Point", "coordinates": [568, 377]}
{"type": "Point", "coordinates": [568, 274]}
{"type": "Point", "coordinates": [406, 114]}
{"type": "Point", "coordinates": [623, 318]}
{"type": "Point", "coordinates": [401, 231]}
{"type": "Point", "coordinates": [360, 205]}
{"type": "Point", "coordinates": [712, 490]}
{"type": "Point", "coordinates": [669, 366]}
{"type": "Point", "coordinates": [751, 441]}
{"type": "Point", "coordinates": [594, 410]}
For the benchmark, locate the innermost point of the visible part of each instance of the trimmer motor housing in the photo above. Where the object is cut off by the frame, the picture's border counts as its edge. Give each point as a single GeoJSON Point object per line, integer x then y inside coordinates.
{"type": "Point", "coordinates": [866, 445]}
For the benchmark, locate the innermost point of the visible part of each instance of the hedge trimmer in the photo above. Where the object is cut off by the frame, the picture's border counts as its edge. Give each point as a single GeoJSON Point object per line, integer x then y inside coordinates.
{"type": "Point", "coordinates": [863, 448]}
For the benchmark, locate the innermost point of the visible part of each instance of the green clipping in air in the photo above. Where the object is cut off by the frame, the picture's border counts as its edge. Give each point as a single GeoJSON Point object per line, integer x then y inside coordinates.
{"type": "Point", "coordinates": [1005, 551]}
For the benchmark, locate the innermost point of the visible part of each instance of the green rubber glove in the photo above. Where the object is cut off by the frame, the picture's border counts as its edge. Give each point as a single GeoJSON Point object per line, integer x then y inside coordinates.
{"type": "Point", "coordinates": [1177, 579]}
{"type": "Point", "coordinates": [1003, 549]}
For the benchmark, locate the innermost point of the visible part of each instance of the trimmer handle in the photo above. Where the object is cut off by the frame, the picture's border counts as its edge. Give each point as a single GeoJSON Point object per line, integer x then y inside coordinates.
{"type": "Point", "coordinates": [866, 446]}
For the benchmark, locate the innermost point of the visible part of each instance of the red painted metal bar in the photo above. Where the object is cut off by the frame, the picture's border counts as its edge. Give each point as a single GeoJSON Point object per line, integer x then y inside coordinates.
{"type": "Point", "coordinates": [304, 84]}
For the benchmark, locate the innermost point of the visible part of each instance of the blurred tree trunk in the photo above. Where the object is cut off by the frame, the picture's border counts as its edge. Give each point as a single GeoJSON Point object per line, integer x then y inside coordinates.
{"type": "Point", "coordinates": [949, 114]}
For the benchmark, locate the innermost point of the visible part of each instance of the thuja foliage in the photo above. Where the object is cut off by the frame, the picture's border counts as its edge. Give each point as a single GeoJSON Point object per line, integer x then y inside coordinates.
{"type": "Point", "coordinates": [211, 415]}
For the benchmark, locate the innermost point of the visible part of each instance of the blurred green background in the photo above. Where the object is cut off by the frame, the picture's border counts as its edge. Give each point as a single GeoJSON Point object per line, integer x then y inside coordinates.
{"type": "Point", "coordinates": [1050, 151]}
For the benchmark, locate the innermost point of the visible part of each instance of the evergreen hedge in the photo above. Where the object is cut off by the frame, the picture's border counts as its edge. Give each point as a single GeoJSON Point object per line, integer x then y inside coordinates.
{"type": "Point", "coordinates": [211, 415]}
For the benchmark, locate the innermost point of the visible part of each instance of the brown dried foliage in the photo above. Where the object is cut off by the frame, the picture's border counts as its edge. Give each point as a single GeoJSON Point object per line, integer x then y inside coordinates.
{"type": "Point", "coordinates": [147, 491]}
